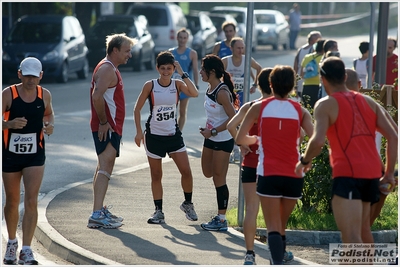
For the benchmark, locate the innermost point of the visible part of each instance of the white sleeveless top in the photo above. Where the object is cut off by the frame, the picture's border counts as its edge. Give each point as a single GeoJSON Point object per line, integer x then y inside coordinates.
{"type": "Point", "coordinates": [163, 102]}
{"type": "Point", "coordinates": [361, 69]}
{"type": "Point", "coordinates": [216, 114]}
{"type": "Point", "coordinates": [237, 73]}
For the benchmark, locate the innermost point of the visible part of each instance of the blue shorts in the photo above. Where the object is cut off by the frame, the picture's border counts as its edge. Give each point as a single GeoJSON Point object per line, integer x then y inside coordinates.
{"type": "Point", "coordinates": [182, 96]}
{"type": "Point", "coordinates": [114, 138]}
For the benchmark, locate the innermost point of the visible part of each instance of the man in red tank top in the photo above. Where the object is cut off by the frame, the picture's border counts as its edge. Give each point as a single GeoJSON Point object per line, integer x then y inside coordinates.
{"type": "Point", "coordinates": [350, 120]}
{"type": "Point", "coordinates": [107, 117]}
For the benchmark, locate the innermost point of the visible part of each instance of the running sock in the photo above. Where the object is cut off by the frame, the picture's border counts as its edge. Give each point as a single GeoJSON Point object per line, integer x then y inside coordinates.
{"type": "Point", "coordinates": [158, 204]}
{"type": "Point", "coordinates": [96, 214]}
{"type": "Point", "coordinates": [188, 197]}
{"type": "Point", "coordinates": [12, 240]}
{"type": "Point", "coordinates": [26, 247]}
{"type": "Point", "coordinates": [251, 252]}
{"type": "Point", "coordinates": [222, 217]}
{"type": "Point", "coordinates": [275, 244]}
{"type": "Point", "coordinates": [284, 243]}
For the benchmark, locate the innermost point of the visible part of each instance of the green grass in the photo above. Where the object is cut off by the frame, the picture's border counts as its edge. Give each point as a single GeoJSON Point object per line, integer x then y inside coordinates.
{"type": "Point", "coordinates": [300, 220]}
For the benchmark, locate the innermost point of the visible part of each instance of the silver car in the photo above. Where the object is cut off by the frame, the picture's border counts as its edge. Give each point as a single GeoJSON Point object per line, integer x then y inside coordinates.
{"type": "Point", "coordinates": [272, 28]}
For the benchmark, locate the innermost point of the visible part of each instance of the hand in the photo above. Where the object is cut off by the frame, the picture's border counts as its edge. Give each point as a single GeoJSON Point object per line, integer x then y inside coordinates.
{"type": "Point", "coordinates": [139, 139]}
{"type": "Point", "coordinates": [48, 128]}
{"type": "Point", "coordinates": [301, 169]}
{"type": "Point", "coordinates": [18, 123]}
{"type": "Point", "coordinates": [244, 150]}
{"type": "Point", "coordinates": [103, 131]}
{"type": "Point", "coordinates": [387, 184]}
{"type": "Point", "coordinates": [178, 67]}
{"type": "Point", "coordinates": [205, 132]}
{"type": "Point", "coordinates": [253, 89]}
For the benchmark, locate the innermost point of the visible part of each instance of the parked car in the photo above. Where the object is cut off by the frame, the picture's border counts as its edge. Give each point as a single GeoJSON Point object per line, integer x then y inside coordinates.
{"type": "Point", "coordinates": [240, 15]}
{"type": "Point", "coordinates": [204, 33]}
{"type": "Point", "coordinates": [165, 20]}
{"type": "Point", "coordinates": [136, 27]}
{"type": "Point", "coordinates": [272, 28]}
{"type": "Point", "coordinates": [56, 40]}
{"type": "Point", "coordinates": [218, 20]}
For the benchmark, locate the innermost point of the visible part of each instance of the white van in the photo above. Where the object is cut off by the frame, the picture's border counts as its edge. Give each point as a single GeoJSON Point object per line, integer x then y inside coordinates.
{"type": "Point", "coordinates": [164, 21]}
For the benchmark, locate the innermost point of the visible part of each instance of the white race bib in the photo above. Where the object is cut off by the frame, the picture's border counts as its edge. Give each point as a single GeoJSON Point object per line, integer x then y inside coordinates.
{"type": "Point", "coordinates": [23, 143]}
{"type": "Point", "coordinates": [238, 82]}
{"type": "Point", "coordinates": [164, 113]}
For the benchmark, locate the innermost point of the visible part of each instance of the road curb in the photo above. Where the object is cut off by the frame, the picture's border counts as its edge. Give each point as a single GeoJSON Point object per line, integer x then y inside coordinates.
{"type": "Point", "coordinates": [304, 237]}
{"type": "Point", "coordinates": [59, 245]}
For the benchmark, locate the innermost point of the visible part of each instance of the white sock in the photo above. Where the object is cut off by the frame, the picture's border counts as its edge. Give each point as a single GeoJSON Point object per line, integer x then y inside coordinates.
{"type": "Point", "coordinates": [26, 247]}
{"type": "Point", "coordinates": [12, 240]}
{"type": "Point", "coordinates": [222, 217]}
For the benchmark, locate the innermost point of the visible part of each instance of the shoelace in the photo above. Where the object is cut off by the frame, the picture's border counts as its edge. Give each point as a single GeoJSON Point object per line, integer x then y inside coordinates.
{"type": "Point", "coordinates": [28, 254]}
{"type": "Point", "coordinates": [11, 250]}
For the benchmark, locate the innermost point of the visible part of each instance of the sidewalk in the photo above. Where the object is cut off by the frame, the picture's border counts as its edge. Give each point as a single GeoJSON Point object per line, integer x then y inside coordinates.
{"type": "Point", "coordinates": [63, 216]}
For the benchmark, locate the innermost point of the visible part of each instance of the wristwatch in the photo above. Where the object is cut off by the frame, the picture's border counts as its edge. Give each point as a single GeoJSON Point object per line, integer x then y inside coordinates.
{"type": "Point", "coordinates": [214, 132]}
{"type": "Point", "coordinates": [303, 162]}
{"type": "Point", "coordinates": [184, 75]}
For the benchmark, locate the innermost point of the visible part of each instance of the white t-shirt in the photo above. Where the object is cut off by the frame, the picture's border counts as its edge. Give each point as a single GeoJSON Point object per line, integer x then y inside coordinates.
{"type": "Point", "coordinates": [361, 69]}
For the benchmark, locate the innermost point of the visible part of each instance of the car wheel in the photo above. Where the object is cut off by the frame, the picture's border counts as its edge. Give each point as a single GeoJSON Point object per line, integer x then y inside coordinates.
{"type": "Point", "coordinates": [151, 63]}
{"type": "Point", "coordinates": [137, 64]}
{"type": "Point", "coordinates": [63, 77]}
{"type": "Point", "coordinates": [286, 45]}
{"type": "Point", "coordinates": [84, 72]}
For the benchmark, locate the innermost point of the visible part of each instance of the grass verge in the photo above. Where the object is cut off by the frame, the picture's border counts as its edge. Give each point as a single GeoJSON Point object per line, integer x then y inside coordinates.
{"type": "Point", "coordinates": [300, 220]}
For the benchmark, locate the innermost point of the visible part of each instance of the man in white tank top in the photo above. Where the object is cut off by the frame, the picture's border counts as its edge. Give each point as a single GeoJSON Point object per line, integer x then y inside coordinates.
{"type": "Point", "coordinates": [234, 65]}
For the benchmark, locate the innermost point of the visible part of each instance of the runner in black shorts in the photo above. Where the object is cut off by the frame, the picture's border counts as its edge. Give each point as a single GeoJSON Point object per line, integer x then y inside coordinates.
{"type": "Point", "coordinates": [162, 135]}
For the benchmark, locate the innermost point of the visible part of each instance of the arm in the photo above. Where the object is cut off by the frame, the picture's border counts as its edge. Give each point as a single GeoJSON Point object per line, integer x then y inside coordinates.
{"type": "Point", "coordinates": [255, 65]}
{"type": "Point", "coordinates": [317, 141]}
{"type": "Point", "coordinates": [307, 124]}
{"type": "Point", "coordinates": [187, 86]}
{"type": "Point", "coordinates": [237, 119]}
{"type": "Point", "coordinates": [195, 68]}
{"type": "Point", "coordinates": [216, 48]}
{"type": "Point", "coordinates": [104, 78]}
{"type": "Point", "coordinates": [386, 129]}
{"type": "Point", "coordinates": [296, 61]}
{"type": "Point", "coordinates": [251, 117]}
{"type": "Point", "coordinates": [144, 94]}
{"type": "Point", "coordinates": [48, 118]}
{"type": "Point", "coordinates": [17, 123]}
{"type": "Point", "coordinates": [223, 98]}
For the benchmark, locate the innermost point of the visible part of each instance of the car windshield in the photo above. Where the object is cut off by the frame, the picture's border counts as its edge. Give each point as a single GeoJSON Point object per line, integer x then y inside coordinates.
{"type": "Point", "coordinates": [155, 16]}
{"type": "Point", "coordinates": [238, 15]}
{"type": "Point", "coordinates": [35, 32]}
{"type": "Point", "coordinates": [104, 28]}
{"type": "Point", "coordinates": [193, 24]}
{"type": "Point", "coordinates": [265, 19]}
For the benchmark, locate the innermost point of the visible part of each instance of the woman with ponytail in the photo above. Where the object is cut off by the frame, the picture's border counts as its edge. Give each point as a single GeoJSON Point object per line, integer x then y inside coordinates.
{"type": "Point", "coordinates": [220, 105]}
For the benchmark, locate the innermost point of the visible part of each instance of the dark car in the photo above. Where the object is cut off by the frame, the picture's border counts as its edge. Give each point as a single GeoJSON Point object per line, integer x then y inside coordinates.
{"type": "Point", "coordinates": [272, 28]}
{"type": "Point", "coordinates": [135, 27]}
{"type": "Point", "coordinates": [204, 32]}
{"type": "Point", "coordinates": [56, 40]}
{"type": "Point", "coordinates": [218, 20]}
